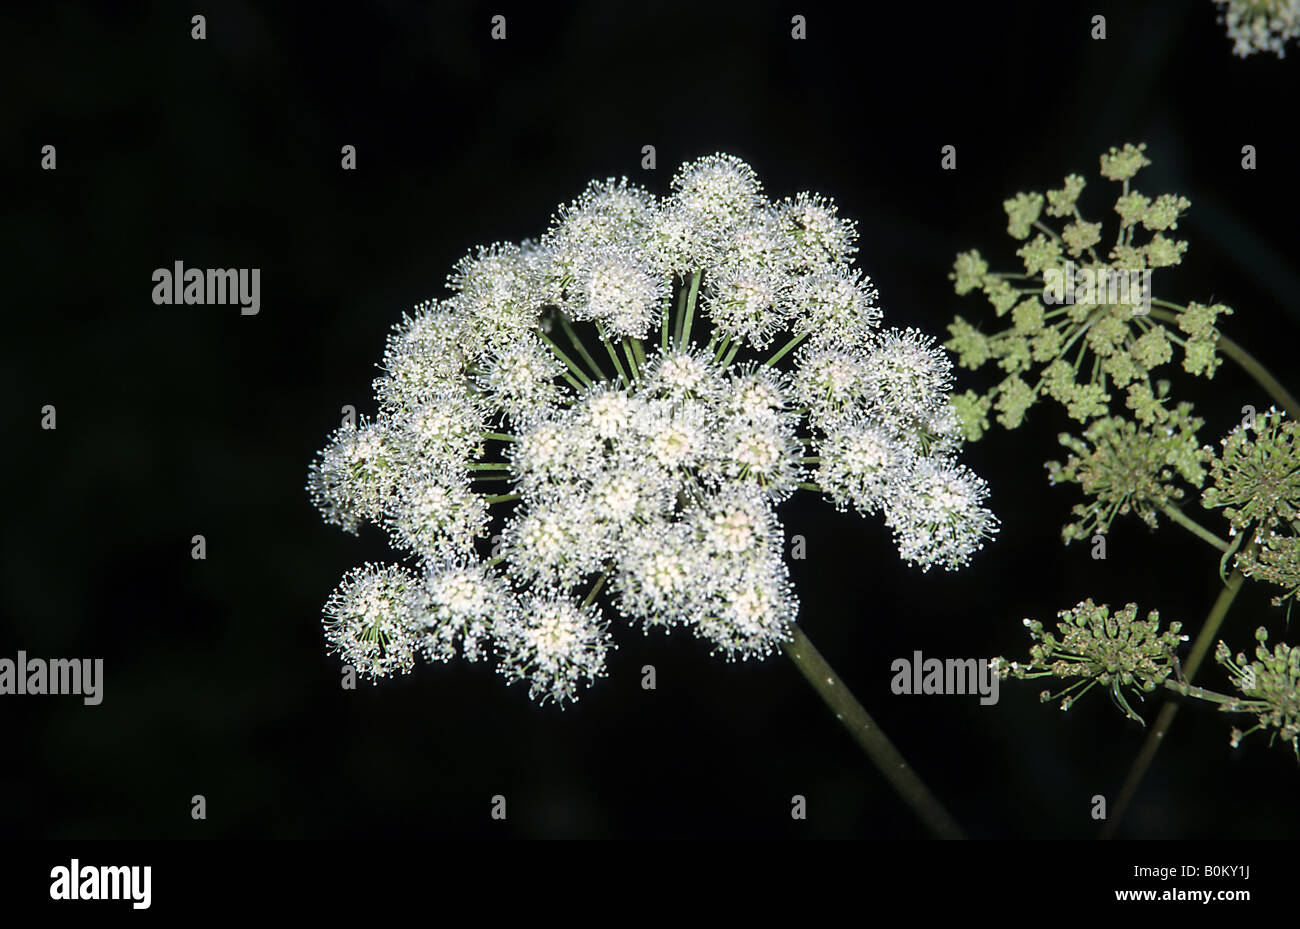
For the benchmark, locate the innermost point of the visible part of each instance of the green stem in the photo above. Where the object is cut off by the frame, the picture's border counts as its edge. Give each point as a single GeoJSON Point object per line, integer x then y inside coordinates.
{"type": "Point", "coordinates": [568, 362]}
{"type": "Point", "coordinates": [631, 360]}
{"type": "Point", "coordinates": [1200, 693]}
{"type": "Point", "coordinates": [580, 347]}
{"type": "Point", "coordinates": [613, 355]}
{"type": "Point", "coordinates": [789, 346]}
{"type": "Point", "coordinates": [1154, 739]}
{"type": "Point", "coordinates": [1177, 515]}
{"type": "Point", "coordinates": [488, 466]}
{"type": "Point", "coordinates": [815, 488]}
{"type": "Point", "coordinates": [677, 317]}
{"type": "Point", "coordinates": [500, 437]}
{"type": "Point", "coordinates": [869, 736]}
{"type": "Point", "coordinates": [1046, 230]}
{"type": "Point", "coordinates": [501, 498]}
{"type": "Point", "coordinates": [595, 590]}
{"type": "Point", "coordinates": [685, 334]}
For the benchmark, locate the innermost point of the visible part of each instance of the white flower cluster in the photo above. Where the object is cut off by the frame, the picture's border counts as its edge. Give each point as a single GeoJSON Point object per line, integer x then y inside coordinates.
{"type": "Point", "coordinates": [1260, 25]}
{"type": "Point", "coordinates": [554, 430]}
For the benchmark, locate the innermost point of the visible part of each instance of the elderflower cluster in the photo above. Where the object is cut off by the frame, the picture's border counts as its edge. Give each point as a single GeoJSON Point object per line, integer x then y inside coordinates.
{"type": "Point", "coordinates": [606, 419]}
{"type": "Point", "coordinates": [1260, 25]}
{"type": "Point", "coordinates": [1083, 319]}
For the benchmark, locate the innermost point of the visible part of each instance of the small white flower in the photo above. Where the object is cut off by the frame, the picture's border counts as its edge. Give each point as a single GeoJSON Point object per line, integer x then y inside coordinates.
{"type": "Point", "coordinates": [425, 357]}
{"type": "Point", "coordinates": [557, 646]}
{"type": "Point", "coordinates": [354, 477]}
{"type": "Point", "coordinates": [675, 437]}
{"type": "Point", "coordinates": [938, 516]}
{"type": "Point", "coordinates": [615, 287]}
{"type": "Point", "coordinates": [498, 294]}
{"type": "Point", "coordinates": [609, 411]}
{"type": "Point", "coordinates": [821, 237]}
{"type": "Point", "coordinates": [659, 569]}
{"type": "Point", "coordinates": [838, 308]}
{"type": "Point", "coordinates": [718, 192]}
{"type": "Point", "coordinates": [520, 378]}
{"type": "Point", "coordinates": [831, 383]}
{"type": "Point", "coordinates": [461, 602]}
{"type": "Point", "coordinates": [907, 378]}
{"type": "Point", "coordinates": [751, 614]}
{"type": "Point", "coordinates": [747, 304]}
{"type": "Point", "coordinates": [683, 374]}
{"type": "Point", "coordinates": [863, 466]}
{"type": "Point", "coordinates": [1260, 25]}
{"type": "Point", "coordinates": [442, 434]}
{"type": "Point", "coordinates": [556, 543]}
{"type": "Point", "coordinates": [608, 213]}
{"type": "Point", "coordinates": [551, 456]}
{"type": "Point", "coordinates": [435, 516]}
{"type": "Point", "coordinates": [369, 621]}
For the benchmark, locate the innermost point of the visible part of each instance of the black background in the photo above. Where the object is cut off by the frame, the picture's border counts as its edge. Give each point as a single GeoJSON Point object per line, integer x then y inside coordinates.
{"type": "Point", "coordinates": [176, 420]}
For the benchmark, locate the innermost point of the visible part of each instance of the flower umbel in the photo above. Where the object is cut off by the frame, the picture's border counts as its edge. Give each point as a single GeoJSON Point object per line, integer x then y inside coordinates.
{"type": "Point", "coordinates": [1097, 647]}
{"type": "Point", "coordinates": [1082, 327]}
{"type": "Point", "coordinates": [1271, 687]}
{"type": "Point", "coordinates": [609, 417]}
{"type": "Point", "coordinates": [1260, 25]}
{"type": "Point", "coordinates": [1128, 468]}
{"type": "Point", "coordinates": [1256, 475]}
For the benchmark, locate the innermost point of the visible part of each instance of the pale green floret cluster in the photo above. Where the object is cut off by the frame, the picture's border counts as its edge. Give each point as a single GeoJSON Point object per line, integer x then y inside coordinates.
{"type": "Point", "coordinates": [1079, 328]}
{"type": "Point", "coordinates": [609, 417]}
{"type": "Point", "coordinates": [1123, 469]}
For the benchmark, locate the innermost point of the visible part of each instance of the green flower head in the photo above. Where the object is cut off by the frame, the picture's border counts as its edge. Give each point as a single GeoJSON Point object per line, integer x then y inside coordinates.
{"type": "Point", "coordinates": [1083, 314]}
{"type": "Point", "coordinates": [1256, 476]}
{"type": "Point", "coordinates": [1124, 468]}
{"type": "Point", "coordinates": [1270, 686]}
{"type": "Point", "coordinates": [1094, 646]}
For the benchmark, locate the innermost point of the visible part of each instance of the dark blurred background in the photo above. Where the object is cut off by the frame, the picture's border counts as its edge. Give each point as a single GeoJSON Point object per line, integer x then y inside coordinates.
{"type": "Point", "coordinates": [176, 420]}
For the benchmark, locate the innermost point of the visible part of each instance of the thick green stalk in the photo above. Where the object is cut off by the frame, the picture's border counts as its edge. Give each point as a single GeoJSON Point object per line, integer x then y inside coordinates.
{"type": "Point", "coordinates": [870, 737]}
